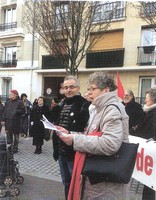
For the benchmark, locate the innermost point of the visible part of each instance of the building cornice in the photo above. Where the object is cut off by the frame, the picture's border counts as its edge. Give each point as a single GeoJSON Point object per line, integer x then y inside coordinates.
{"type": "Point", "coordinates": [17, 69]}
{"type": "Point", "coordinates": [132, 68]}
{"type": "Point", "coordinates": [113, 69]}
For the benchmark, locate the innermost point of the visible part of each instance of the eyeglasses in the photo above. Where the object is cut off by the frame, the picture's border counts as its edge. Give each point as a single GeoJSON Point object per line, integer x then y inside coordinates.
{"type": "Point", "coordinates": [70, 87]}
{"type": "Point", "coordinates": [92, 89]}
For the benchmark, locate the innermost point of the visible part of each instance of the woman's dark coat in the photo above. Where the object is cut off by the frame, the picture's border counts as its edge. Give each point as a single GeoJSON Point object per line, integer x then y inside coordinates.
{"type": "Point", "coordinates": [134, 111]}
{"type": "Point", "coordinates": [37, 129]}
{"type": "Point", "coordinates": [147, 127]}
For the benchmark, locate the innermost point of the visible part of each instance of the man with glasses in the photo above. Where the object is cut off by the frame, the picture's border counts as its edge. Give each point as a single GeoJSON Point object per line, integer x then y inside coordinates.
{"type": "Point", "coordinates": [73, 116]}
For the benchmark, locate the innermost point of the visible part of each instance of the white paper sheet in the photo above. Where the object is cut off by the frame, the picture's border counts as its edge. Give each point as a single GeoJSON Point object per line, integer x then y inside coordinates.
{"type": "Point", "coordinates": [48, 125]}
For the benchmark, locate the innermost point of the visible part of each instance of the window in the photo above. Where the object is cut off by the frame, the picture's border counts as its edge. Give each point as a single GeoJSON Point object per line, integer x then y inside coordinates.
{"type": "Point", "coordinates": [108, 40]}
{"type": "Point", "coordinates": [110, 10]}
{"type": "Point", "coordinates": [61, 13]}
{"type": "Point", "coordinates": [147, 51]}
{"type": "Point", "coordinates": [6, 85]}
{"type": "Point", "coordinates": [146, 83]}
{"type": "Point", "coordinates": [9, 20]}
{"type": "Point", "coordinates": [10, 15]}
{"type": "Point", "coordinates": [148, 37]}
{"type": "Point", "coordinates": [10, 53]}
{"type": "Point", "coordinates": [59, 47]}
{"type": "Point", "coordinates": [149, 8]}
{"type": "Point", "coordinates": [106, 51]}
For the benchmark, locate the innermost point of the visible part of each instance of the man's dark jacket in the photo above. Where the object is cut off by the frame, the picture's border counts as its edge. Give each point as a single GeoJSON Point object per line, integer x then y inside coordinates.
{"type": "Point", "coordinates": [135, 112]}
{"type": "Point", "coordinates": [73, 119]}
{"type": "Point", "coordinates": [12, 114]}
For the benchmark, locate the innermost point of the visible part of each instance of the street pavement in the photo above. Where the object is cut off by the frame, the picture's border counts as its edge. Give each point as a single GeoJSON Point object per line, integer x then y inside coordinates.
{"type": "Point", "coordinates": [42, 180]}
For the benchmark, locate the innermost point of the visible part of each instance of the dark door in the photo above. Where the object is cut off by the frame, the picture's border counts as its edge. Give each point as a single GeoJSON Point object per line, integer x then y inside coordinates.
{"type": "Point", "coordinates": [51, 87]}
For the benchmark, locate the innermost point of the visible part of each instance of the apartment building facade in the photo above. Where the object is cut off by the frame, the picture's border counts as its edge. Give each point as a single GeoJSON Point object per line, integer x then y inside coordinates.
{"type": "Point", "coordinates": [128, 47]}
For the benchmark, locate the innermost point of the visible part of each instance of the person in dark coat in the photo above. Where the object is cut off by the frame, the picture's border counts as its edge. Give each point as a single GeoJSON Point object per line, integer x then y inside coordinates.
{"type": "Point", "coordinates": [37, 129]}
{"type": "Point", "coordinates": [73, 116]}
{"type": "Point", "coordinates": [35, 102]}
{"type": "Point", "coordinates": [147, 129]}
{"type": "Point", "coordinates": [13, 110]}
{"type": "Point", "coordinates": [54, 110]}
{"type": "Point", "coordinates": [133, 109]}
{"type": "Point", "coordinates": [25, 116]}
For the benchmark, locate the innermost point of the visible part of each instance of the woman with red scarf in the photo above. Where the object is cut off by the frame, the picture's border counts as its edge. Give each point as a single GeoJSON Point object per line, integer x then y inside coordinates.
{"type": "Point", "coordinates": [107, 129]}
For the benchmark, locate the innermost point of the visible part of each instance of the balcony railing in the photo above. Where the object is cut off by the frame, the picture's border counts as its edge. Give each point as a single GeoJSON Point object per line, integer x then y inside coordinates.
{"type": "Point", "coordinates": [8, 26]}
{"type": "Point", "coordinates": [106, 58]}
{"type": "Point", "coordinates": [146, 55]}
{"type": "Point", "coordinates": [148, 9]}
{"type": "Point", "coordinates": [54, 61]}
{"type": "Point", "coordinates": [8, 63]}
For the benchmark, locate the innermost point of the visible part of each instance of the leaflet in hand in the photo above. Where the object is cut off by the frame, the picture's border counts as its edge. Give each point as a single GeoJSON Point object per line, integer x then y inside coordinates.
{"type": "Point", "coordinates": [48, 125]}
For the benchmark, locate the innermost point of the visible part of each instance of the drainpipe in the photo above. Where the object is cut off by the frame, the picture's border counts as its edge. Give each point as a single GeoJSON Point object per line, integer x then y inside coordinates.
{"type": "Point", "coordinates": [33, 44]}
{"type": "Point", "coordinates": [33, 36]}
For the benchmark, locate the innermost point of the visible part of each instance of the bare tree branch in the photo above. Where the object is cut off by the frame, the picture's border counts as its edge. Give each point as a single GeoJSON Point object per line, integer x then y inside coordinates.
{"type": "Point", "coordinates": [64, 27]}
{"type": "Point", "coordinates": [147, 12]}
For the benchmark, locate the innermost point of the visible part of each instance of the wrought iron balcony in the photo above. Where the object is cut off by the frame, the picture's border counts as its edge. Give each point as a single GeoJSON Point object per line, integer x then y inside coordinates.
{"type": "Point", "coordinates": [148, 8]}
{"type": "Point", "coordinates": [106, 58]}
{"type": "Point", "coordinates": [8, 63]}
{"type": "Point", "coordinates": [54, 61]}
{"type": "Point", "coordinates": [8, 26]}
{"type": "Point", "coordinates": [110, 10]}
{"type": "Point", "coordinates": [146, 55]}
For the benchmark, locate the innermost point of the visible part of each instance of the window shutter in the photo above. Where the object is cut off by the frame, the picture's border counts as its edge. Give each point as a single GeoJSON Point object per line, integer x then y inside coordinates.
{"type": "Point", "coordinates": [109, 40]}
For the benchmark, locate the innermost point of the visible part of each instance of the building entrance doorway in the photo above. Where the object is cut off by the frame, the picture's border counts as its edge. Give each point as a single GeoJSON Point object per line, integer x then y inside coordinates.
{"type": "Point", "coordinates": [51, 88]}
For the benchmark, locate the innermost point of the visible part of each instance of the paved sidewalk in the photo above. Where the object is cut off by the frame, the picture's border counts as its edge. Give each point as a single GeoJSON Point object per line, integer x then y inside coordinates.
{"type": "Point", "coordinates": [34, 188]}
{"type": "Point", "coordinates": [39, 165]}
{"type": "Point", "coordinates": [42, 180]}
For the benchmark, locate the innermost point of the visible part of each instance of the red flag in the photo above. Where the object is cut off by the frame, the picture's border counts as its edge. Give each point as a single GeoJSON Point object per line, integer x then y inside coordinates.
{"type": "Point", "coordinates": [120, 89]}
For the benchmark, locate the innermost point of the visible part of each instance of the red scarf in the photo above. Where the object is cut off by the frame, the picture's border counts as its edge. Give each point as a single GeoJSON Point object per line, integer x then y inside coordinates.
{"type": "Point", "coordinates": [74, 190]}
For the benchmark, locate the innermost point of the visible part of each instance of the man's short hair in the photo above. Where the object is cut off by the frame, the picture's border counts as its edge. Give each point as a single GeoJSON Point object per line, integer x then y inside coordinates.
{"type": "Point", "coordinates": [70, 77]}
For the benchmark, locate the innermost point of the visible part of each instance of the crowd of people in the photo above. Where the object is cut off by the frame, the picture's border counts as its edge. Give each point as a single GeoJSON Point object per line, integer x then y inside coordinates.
{"type": "Point", "coordinates": [77, 116]}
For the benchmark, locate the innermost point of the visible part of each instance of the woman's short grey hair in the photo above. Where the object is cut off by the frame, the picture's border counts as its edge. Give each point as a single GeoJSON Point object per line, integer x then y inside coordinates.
{"type": "Point", "coordinates": [152, 93]}
{"type": "Point", "coordinates": [70, 77]}
{"type": "Point", "coordinates": [102, 80]}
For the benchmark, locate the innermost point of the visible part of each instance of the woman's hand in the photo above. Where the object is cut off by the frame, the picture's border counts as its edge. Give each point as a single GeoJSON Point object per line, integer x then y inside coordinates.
{"type": "Point", "coordinates": [65, 136]}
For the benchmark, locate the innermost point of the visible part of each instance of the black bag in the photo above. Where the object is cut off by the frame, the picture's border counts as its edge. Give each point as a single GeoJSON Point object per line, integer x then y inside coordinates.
{"type": "Point", "coordinates": [115, 168]}
{"type": "Point", "coordinates": [47, 134]}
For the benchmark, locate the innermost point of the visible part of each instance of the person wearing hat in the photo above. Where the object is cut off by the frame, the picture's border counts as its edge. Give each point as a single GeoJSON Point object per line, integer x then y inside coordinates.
{"type": "Point", "coordinates": [11, 117]}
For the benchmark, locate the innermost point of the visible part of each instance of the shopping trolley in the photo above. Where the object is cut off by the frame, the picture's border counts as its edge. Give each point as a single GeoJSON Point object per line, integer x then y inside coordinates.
{"type": "Point", "coordinates": [9, 171]}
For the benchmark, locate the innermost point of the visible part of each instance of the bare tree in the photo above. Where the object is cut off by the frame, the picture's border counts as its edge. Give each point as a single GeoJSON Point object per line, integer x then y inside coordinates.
{"type": "Point", "coordinates": [64, 28]}
{"type": "Point", "coordinates": [147, 12]}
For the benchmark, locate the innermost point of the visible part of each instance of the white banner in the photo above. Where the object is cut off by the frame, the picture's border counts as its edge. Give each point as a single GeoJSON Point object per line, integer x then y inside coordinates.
{"type": "Point", "coordinates": [145, 166]}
